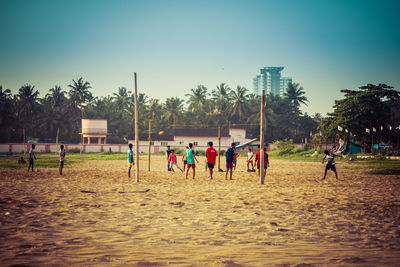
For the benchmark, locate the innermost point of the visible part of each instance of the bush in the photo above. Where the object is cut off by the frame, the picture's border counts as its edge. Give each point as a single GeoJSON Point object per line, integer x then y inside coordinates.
{"type": "Point", "coordinates": [74, 150]}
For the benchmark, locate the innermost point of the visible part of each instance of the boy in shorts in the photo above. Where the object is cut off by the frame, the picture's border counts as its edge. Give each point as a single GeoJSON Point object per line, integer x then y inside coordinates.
{"type": "Point", "coordinates": [230, 155]}
{"type": "Point", "coordinates": [62, 158]}
{"type": "Point", "coordinates": [250, 156]}
{"type": "Point", "coordinates": [258, 160]}
{"type": "Point", "coordinates": [184, 158]}
{"type": "Point", "coordinates": [172, 160]}
{"type": "Point", "coordinates": [190, 159]}
{"type": "Point", "coordinates": [32, 157]}
{"type": "Point", "coordinates": [130, 160]}
{"type": "Point", "coordinates": [330, 165]}
{"type": "Point", "coordinates": [211, 155]}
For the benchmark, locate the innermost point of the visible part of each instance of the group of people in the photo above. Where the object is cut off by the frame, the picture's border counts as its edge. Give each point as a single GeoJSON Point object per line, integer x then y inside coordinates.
{"type": "Point", "coordinates": [189, 160]}
{"type": "Point", "coordinates": [32, 158]}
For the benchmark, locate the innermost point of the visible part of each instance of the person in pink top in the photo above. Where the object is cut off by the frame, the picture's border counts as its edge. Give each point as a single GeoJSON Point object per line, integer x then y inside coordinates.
{"type": "Point", "coordinates": [173, 161]}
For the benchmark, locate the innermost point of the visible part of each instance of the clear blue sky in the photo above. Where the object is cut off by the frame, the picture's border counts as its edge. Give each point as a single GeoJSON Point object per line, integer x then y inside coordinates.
{"type": "Point", "coordinates": [176, 45]}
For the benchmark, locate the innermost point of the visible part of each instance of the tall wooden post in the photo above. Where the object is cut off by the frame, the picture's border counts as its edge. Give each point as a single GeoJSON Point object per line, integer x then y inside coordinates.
{"type": "Point", "coordinates": [23, 133]}
{"type": "Point", "coordinates": [149, 142]}
{"type": "Point", "coordinates": [136, 133]}
{"type": "Point", "coordinates": [58, 131]}
{"type": "Point", "coordinates": [219, 148]}
{"type": "Point", "coordinates": [262, 109]}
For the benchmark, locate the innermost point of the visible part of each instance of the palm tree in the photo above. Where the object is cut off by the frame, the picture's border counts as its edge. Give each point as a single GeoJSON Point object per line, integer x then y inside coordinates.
{"type": "Point", "coordinates": [197, 98]}
{"type": "Point", "coordinates": [55, 97]}
{"type": "Point", "coordinates": [173, 110]}
{"type": "Point", "coordinates": [296, 94]}
{"type": "Point", "coordinates": [27, 101]}
{"type": "Point", "coordinates": [79, 93]}
{"type": "Point", "coordinates": [239, 106]}
{"type": "Point", "coordinates": [221, 97]}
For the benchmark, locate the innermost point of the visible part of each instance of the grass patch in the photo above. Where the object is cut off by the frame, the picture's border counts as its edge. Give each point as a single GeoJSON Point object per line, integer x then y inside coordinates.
{"type": "Point", "coordinates": [295, 154]}
{"type": "Point", "coordinates": [380, 166]}
{"type": "Point", "coordinates": [51, 160]}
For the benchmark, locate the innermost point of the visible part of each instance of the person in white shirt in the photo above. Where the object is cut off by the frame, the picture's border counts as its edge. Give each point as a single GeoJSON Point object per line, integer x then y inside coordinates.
{"type": "Point", "coordinates": [250, 156]}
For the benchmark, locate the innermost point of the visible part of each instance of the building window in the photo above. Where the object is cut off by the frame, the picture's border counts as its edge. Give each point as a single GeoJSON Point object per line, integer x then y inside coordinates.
{"type": "Point", "coordinates": [237, 143]}
{"type": "Point", "coordinates": [164, 143]}
{"type": "Point", "coordinates": [181, 142]}
{"type": "Point", "coordinates": [195, 143]}
{"type": "Point", "coordinates": [151, 143]}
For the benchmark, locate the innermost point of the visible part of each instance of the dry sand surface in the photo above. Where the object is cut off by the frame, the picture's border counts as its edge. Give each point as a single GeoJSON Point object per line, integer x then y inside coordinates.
{"type": "Point", "coordinates": [294, 219]}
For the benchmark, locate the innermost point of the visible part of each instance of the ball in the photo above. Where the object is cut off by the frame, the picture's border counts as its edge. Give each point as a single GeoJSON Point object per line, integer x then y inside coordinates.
{"type": "Point", "coordinates": [160, 132]}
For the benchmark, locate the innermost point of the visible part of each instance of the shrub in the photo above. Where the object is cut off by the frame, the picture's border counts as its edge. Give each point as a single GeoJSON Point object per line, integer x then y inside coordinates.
{"type": "Point", "coordinates": [74, 150]}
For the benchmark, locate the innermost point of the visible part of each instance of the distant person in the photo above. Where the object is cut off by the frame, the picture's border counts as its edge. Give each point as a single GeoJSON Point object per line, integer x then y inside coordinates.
{"type": "Point", "coordinates": [258, 160]}
{"type": "Point", "coordinates": [184, 158]}
{"type": "Point", "coordinates": [234, 163]}
{"type": "Point", "coordinates": [190, 160]}
{"type": "Point", "coordinates": [230, 155]}
{"type": "Point", "coordinates": [168, 152]}
{"type": "Point", "coordinates": [211, 155]}
{"type": "Point", "coordinates": [62, 158]}
{"type": "Point", "coordinates": [250, 156]}
{"type": "Point", "coordinates": [32, 157]}
{"type": "Point", "coordinates": [130, 160]}
{"type": "Point", "coordinates": [172, 160]}
{"type": "Point", "coordinates": [21, 160]}
{"type": "Point", "coordinates": [330, 164]}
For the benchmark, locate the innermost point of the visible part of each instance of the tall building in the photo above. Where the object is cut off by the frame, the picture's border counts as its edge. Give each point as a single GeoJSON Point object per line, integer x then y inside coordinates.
{"type": "Point", "coordinates": [270, 81]}
{"type": "Point", "coordinates": [284, 84]}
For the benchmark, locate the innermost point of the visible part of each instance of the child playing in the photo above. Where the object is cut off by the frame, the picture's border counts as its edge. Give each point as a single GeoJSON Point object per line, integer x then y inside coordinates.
{"type": "Point", "coordinates": [230, 155]}
{"type": "Point", "coordinates": [172, 160]}
{"type": "Point", "coordinates": [234, 163]}
{"type": "Point", "coordinates": [168, 152]}
{"type": "Point", "coordinates": [211, 155]}
{"type": "Point", "coordinates": [21, 160]}
{"type": "Point", "coordinates": [250, 156]}
{"type": "Point", "coordinates": [190, 159]}
{"type": "Point", "coordinates": [62, 158]}
{"type": "Point", "coordinates": [330, 165]}
{"type": "Point", "coordinates": [184, 158]}
{"type": "Point", "coordinates": [130, 160]}
{"type": "Point", "coordinates": [258, 160]}
{"type": "Point", "coordinates": [32, 157]}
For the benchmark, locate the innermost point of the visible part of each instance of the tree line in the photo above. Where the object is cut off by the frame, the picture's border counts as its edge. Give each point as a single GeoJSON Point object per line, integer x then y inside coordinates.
{"type": "Point", "coordinates": [26, 112]}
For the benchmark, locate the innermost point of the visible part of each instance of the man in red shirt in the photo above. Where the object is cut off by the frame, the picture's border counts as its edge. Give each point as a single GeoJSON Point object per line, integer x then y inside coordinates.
{"type": "Point", "coordinates": [211, 154]}
{"type": "Point", "coordinates": [266, 161]}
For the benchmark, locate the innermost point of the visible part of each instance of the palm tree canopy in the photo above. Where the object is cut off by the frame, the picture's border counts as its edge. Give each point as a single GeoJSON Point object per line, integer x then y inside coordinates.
{"type": "Point", "coordinates": [79, 92]}
{"type": "Point", "coordinates": [197, 98]}
{"type": "Point", "coordinates": [296, 94]}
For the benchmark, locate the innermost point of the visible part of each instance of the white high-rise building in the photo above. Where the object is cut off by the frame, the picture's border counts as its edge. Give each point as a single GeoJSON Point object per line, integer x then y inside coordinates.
{"type": "Point", "coordinates": [270, 81]}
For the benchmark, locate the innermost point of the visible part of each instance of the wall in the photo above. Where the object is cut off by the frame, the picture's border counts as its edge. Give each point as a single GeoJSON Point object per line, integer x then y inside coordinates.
{"type": "Point", "coordinates": [94, 126]}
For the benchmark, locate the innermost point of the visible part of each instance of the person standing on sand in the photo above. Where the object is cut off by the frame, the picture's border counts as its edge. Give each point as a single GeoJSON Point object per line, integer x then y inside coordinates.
{"type": "Point", "coordinates": [62, 158]}
{"type": "Point", "coordinates": [250, 156]}
{"type": "Point", "coordinates": [172, 160]}
{"type": "Point", "coordinates": [230, 155]}
{"type": "Point", "coordinates": [190, 159]}
{"type": "Point", "coordinates": [258, 160]}
{"type": "Point", "coordinates": [168, 153]}
{"type": "Point", "coordinates": [130, 160]}
{"type": "Point", "coordinates": [330, 164]}
{"type": "Point", "coordinates": [184, 158]}
{"type": "Point", "coordinates": [211, 155]}
{"type": "Point", "coordinates": [32, 157]}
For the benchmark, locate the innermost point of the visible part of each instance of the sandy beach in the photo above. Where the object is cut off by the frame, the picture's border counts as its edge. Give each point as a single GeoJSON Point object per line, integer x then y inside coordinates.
{"type": "Point", "coordinates": [82, 219]}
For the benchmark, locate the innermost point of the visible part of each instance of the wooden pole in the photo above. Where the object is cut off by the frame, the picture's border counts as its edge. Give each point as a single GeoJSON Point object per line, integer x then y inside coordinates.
{"type": "Point", "coordinates": [219, 148]}
{"type": "Point", "coordinates": [149, 142]}
{"type": "Point", "coordinates": [136, 132]}
{"type": "Point", "coordinates": [23, 133]}
{"type": "Point", "coordinates": [262, 137]}
{"type": "Point", "coordinates": [58, 131]}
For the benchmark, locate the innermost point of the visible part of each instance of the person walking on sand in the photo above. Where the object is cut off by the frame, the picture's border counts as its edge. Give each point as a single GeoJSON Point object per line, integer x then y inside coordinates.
{"type": "Point", "coordinates": [230, 155]}
{"type": "Point", "coordinates": [62, 158]}
{"type": "Point", "coordinates": [130, 160]}
{"type": "Point", "coordinates": [250, 156]}
{"type": "Point", "coordinates": [211, 155]}
{"type": "Point", "coordinates": [258, 160]}
{"type": "Point", "coordinates": [190, 159]}
{"type": "Point", "coordinates": [168, 152]}
{"type": "Point", "coordinates": [172, 160]}
{"type": "Point", "coordinates": [330, 164]}
{"type": "Point", "coordinates": [32, 157]}
{"type": "Point", "coordinates": [184, 158]}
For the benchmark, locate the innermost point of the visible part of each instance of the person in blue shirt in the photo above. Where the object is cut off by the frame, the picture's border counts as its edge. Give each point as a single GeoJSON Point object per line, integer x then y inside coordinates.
{"type": "Point", "coordinates": [32, 157]}
{"type": "Point", "coordinates": [130, 160]}
{"type": "Point", "coordinates": [230, 155]}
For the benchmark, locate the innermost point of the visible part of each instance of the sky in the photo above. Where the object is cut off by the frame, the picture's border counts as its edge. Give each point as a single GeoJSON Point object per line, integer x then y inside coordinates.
{"type": "Point", "coordinates": [325, 46]}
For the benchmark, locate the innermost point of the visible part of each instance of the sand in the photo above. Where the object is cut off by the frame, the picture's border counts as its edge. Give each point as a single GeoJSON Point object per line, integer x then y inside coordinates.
{"type": "Point", "coordinates": [294, 219]}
